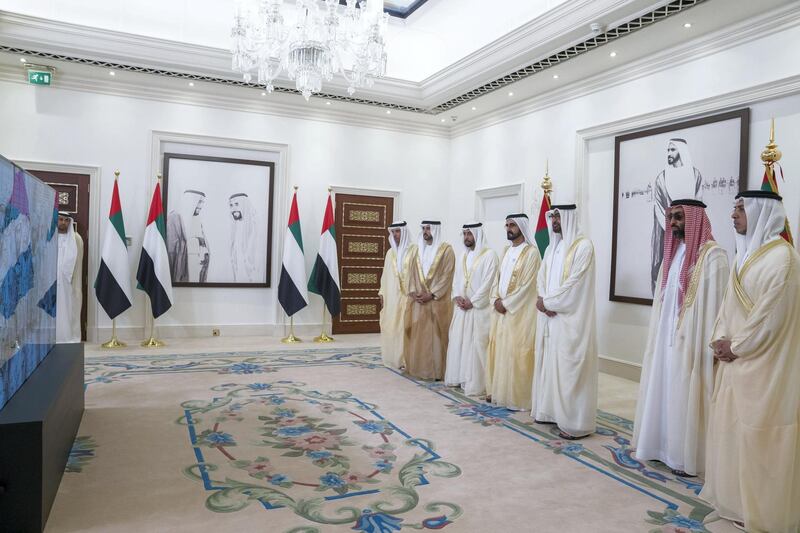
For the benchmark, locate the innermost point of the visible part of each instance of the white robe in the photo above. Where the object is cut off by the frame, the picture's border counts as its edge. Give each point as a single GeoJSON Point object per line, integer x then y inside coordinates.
{"type": "Point", "coordinates": [69, 294]}
{"type": "Point", "coordinates": [469, 330]}
{"type": "Point", "coordinates": [565, 374]}
{"type": "Point", "coordinates": [394, 294]}
{"type": "Point", "coordinates": [678, 369]}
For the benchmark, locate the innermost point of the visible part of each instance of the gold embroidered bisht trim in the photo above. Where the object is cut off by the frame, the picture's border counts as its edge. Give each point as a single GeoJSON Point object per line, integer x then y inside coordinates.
{"type": "Point", "coordinates": [694, 281]}
{"type": "Point", "coordinates": [426, 281]}
{"type": "Point", "coordinates": [569, 258]}
{"type": "Point", "coordinates": [468, 273]}
{"type": "Point", "coordinates": [399, 275]}
{"type": "Point", "coordinates": [512, 283]}
{"type": "Point", "coordinates": [738, 275]}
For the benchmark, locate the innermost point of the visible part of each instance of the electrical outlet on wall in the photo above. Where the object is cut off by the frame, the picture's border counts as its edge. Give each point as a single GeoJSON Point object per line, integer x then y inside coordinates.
{"type": "Point", "coordinates": [215, 332]}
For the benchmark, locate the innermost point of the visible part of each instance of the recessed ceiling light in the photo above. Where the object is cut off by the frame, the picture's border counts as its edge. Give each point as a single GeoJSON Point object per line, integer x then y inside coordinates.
{"type": "Point", "coordinates": [444, 120]}
{"type": "Point", "coordinates": [613, 54]}
{"type": "Point", "coordinates": [112, 73]}
{"type": "Point", "coordinates": [687, 25]}
{"type": "Point", "coordinates": [555, 76]}
{"type": "Point", "coordinates": [191, 84]}
{"type": "Point", "coordinates": [23, 60]}
{"type": "Point", "coordinates": [510, 94]}
{"type": "Point", "coordinates": [263, 94]}
{"type": "Point", "coordinates": [328, 102]}
{"type": "Point", "coordinates": [388, 111]}
{"type": "Point", "coordinates": [474, 108]}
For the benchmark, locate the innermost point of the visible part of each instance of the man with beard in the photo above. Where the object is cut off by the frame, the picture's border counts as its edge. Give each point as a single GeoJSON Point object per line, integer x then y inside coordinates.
{"type": "Point", "coordinates": [69, 293]}
{"type": "Point", "coordinates": [565, 373]}
{"type": "Point", "coordinates": [679, 179]}
{"type": "Point", "coordinates": [243, 232]}
{"type": "Point", "coordinates": [678, 369]}
{"type": "Point", "coordinates": [753, 452]}
{"type": "Point", "coordinates": [512, 336]}
{"type": "Point", "coordinates": [469, 331]}
{"type": "Point", "coordinates": [429, 309]}
{"type": "Point", "coordinates": [394, 294]}
{"type": "Point", "coordinates": [186, 240]}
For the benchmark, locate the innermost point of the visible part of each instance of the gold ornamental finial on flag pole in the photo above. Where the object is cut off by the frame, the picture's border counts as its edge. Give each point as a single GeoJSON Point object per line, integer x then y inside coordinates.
{"type": "Point", "coordinates": [771, 154]}
{"type": "Point", "coordinates": [547, 183]}
{"type": "Point", "coordinates": [116, 174]}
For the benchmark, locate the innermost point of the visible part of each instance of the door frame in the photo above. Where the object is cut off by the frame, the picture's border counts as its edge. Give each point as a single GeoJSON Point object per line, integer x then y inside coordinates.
{"type": "Point", "coordinates": [94, 172]}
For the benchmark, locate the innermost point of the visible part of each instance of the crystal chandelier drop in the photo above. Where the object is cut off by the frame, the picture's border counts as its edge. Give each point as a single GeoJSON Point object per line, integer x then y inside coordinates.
{"type": "Point", "coordinates": [310, 43]}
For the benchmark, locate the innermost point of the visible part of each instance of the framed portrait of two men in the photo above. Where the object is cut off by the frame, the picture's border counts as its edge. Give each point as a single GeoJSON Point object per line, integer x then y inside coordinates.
{"type": "Point", "coordinates": [703, 159]}
{"type": "Point", "coordinates": [219, 212]}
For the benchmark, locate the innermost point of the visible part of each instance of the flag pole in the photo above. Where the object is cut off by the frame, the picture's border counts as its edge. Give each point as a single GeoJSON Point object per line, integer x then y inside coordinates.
{"type": "Point", "coordinates": [152, 342]}
{"type": "Point", "coordinates": [114, 342]}
{"type": "Point", "coordinates": [323, 337]}
{"type": "Point", "coordinates": [291, 339]}
{"type": "Point", "coordinates": [547, 183]}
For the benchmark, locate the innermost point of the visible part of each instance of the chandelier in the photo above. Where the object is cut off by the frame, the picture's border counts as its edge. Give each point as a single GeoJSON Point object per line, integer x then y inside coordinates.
{"type": "Point", "coordinates": [310, 43]}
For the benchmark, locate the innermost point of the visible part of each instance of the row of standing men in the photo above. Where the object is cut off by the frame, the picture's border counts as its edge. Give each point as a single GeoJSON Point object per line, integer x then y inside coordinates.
{"type": "Point", "coordinates": [718, 392]}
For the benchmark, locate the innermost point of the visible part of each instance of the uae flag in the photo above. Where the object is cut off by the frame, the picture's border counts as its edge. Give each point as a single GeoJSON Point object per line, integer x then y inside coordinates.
{"type": "Point", "coordinates": [153, 275]}
{"type": "Point", "coordinates": [541, 236]}
{"type": "Point", "coordinates": [292, 292]}
{"type": "Point", "coordinates": [770, 183]}
{"type": "Point", "coordinates": [324, 278]}
{"type": "Point", "coordinates": [113, 283]}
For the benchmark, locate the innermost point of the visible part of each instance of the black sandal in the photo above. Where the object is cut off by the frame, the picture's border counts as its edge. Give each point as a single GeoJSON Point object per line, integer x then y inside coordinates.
{"type": "Point", "coordinates": [567, 436]}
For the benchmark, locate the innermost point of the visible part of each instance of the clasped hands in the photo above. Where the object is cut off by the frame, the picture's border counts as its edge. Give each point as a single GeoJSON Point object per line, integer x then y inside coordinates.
{"type": "Point", "coordinates": [463, 303]}
{"type": "Point", "coordinates": [421, 297]}
{"type": "Point", "coordinates": [722, 350]}
{"type": "Point", "coordinates": [540, 306]}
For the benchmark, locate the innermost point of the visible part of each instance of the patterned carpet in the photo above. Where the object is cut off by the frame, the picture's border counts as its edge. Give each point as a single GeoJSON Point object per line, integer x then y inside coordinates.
{"type": "Point", "coordinates": [324, 440]}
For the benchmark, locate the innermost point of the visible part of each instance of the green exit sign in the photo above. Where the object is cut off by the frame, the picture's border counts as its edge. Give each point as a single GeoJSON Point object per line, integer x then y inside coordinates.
{"type": "Point", "coordinates": [39, 77]}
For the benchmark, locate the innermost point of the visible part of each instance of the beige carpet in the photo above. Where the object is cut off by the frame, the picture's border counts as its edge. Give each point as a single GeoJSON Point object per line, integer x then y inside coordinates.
{"type": "Point", "coordinates": [327, 440]}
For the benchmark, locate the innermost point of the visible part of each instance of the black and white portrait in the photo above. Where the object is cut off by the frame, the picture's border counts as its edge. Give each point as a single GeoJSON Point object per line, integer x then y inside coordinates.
{"type": "Point", "coordinates": [700, 159]}
{"type": "Point", "coordinates": [218, 220]}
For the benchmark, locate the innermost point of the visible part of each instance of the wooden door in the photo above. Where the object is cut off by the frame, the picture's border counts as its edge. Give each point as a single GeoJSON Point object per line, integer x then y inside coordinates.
{"type": "Point", "coordinates": [361, 242]}
{"type": "Point", "coordinates": [73, 198]}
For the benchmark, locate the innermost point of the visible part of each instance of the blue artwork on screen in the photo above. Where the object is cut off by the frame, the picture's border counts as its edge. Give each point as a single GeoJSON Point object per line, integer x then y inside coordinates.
{"type": "Point", "coordinates": [28, 263]}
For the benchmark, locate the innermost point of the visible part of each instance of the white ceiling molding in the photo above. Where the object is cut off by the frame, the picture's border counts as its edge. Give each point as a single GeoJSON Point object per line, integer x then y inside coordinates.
{"type": "Point", "coordinates": [735, 35]}
{"type": "Point", "coordinates": [223, 97]}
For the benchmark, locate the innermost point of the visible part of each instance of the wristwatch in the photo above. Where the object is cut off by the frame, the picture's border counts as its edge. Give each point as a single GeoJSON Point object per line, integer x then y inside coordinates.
{"type": "Point", "coordinates": [433, 296]}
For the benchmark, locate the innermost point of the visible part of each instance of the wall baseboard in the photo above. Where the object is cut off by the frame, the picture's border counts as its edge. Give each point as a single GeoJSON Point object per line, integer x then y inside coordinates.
{"type": "Point", "coordinates": [619, 368]}
{"type": "Point", "coordinates": [199, 331]}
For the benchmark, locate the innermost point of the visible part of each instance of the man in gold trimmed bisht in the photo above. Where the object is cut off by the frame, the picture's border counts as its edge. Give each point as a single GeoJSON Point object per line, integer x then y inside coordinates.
{"type": "Point", "coordinates": [476, 271]}
{"type": "Point", "coordinates": [513, 333]}
{"type": "Point", "coordinates": [753, 453]}
{"type": "Point", "coordinates": [565, 372]}
{"type": "Point", "coordinates": [430, 308]}
{"type": "Point", "coordinates": [678, 369]}
{"type": "Point", "coordinates": [394, 294]}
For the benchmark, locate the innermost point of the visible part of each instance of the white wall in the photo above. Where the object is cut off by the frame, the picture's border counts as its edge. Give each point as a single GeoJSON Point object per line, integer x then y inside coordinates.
{"type": "Point", "coordinates": [69, 127]}
{"type": "Point", "coordinates": [516, 150]}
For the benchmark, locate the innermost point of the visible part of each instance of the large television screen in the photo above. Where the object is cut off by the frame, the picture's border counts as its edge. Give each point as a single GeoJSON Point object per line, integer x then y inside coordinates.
{"type": "Point", "coordinates": [28, 263]}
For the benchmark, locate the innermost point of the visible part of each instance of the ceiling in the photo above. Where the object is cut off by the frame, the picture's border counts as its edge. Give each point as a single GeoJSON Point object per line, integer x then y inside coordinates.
{"type": "Point", "coordinates": [439, 56]}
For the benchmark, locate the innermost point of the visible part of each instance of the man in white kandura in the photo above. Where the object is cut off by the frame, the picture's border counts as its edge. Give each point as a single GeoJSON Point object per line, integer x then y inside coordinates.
{"type": "Point", "coordinates": [678, 370]}
{"type": "Point", "coordinates": [565, 373]}
{"type": "Point", "coordinates": [243, 235]}
{"type": "Point", "coordinates": [753, 453]}
{"type": "Point", "coordinates": [69, 293]}
{"type": "Point", "coordinates": [394, 294]}
{"type": "Point", "coordinates": [510, 355]}
{"type": "Point", "coordinates": [475, 275]}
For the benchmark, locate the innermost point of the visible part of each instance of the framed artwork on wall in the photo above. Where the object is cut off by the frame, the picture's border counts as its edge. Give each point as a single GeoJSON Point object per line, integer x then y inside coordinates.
{"type": "Point", "coordinates": [219, 220]}
{"type": "Point", "coordinates": [704, 159]}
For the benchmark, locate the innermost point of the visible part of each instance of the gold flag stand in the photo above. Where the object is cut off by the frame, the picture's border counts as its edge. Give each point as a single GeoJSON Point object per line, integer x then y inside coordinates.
{"type": "Point", "coordinates": [323, 337]}
{"type": "Point", "coordinates": [114, 342]}
{"type": "Point", "coordinates": [152, 342]}
{"type": "Point", "coordinates": [291, 339]}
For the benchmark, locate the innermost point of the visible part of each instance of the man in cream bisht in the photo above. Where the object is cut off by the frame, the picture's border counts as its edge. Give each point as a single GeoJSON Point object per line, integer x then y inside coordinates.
{"type": "Point", "coordinates": [69, 293]}
{"type": "Point", "coordinates": [565, 373]}
{"type": "Point", "coordinates": [476, 271]}
{"type": "Point", "coordinates": [430, 309]}
{"type": "Point", "coordinates": [394, 294]}
{"type": "Point", "coordinates": [753, 453]}
{"type": "Point", "coordinates": [513, 333]}
{"type": "Point", "coordinates": [678, 370]}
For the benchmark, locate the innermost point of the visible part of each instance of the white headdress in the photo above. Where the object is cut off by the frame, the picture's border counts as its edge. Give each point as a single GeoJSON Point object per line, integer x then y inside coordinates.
{"type": "Point", "coordinates": [428, 252]}
{"type": "Point", "coordinates": [521, 220]}
{"type": "Point", "coordinates": [399, 249]}
{"type": "Point", "coordinates": [570, 228]}
{"type": "Point", "coordinates": [766, 219]}
{"type": "Point", "coordinates": [680, 181]}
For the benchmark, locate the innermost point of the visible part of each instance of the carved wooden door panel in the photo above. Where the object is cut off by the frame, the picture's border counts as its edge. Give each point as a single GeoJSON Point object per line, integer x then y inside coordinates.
{"type": "Point", "coordinates": [362, 242]}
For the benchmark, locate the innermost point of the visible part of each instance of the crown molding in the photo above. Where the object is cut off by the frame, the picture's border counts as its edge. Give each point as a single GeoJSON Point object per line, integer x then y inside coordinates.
{"type": "Point", "coordinates": [735, 35]}
{"type": "Point", "coordinates": [229, 98]}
